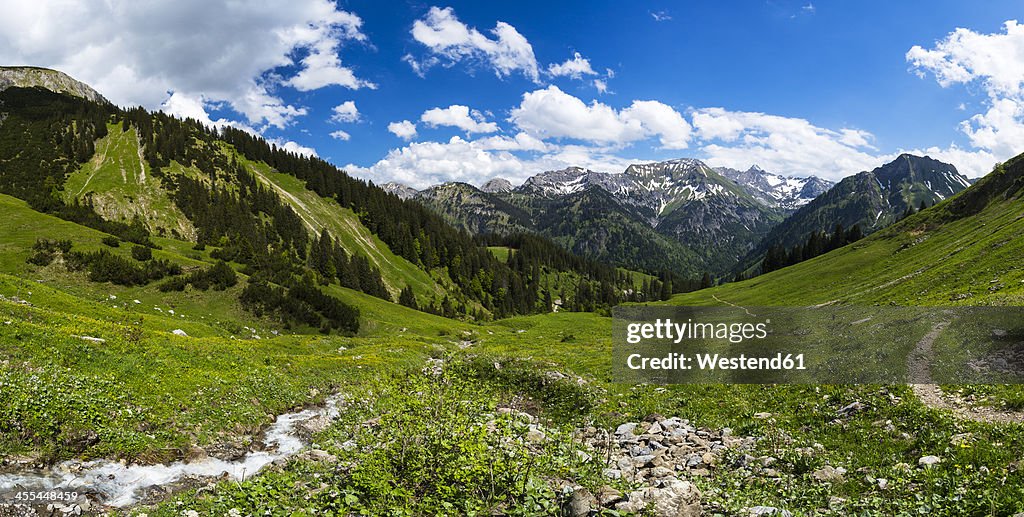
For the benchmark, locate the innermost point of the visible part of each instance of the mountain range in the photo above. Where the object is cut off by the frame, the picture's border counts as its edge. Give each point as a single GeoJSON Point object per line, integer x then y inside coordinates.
{"type": "Point", "coordinates": [680, 214]}
{"type": "Point", "coordinates": [871, 200]}
{"type": "Point", "coordinates": [706, 219]}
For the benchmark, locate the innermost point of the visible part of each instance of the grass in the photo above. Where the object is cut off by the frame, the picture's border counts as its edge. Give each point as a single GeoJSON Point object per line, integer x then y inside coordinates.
{"type": "Point", "coordinates": [923, 260]}
{"type": "Point", "coordinates": [500, 252]}
{"type": "Point", "coordinates": [146, 394]}
{"type": "Point", "coordinates": [343, 224]}
{"type": "Point", "coordinates": [122, 187]}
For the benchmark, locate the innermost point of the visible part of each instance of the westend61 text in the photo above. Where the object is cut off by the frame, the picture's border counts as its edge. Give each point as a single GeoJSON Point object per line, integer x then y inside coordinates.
{"type": "Point", "coordinates": [679, 361]}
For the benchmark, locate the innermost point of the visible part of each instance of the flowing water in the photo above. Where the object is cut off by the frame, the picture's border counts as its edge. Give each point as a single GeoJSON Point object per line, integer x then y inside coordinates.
{"type": "Point", "coordinates": [119, 484]}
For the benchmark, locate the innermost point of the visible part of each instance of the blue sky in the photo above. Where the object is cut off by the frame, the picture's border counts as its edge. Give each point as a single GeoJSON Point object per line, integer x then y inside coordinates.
{"type": "Point", "coordinates": [512, 89]}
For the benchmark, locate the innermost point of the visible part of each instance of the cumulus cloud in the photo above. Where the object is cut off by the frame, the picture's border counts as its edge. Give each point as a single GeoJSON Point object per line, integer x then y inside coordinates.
{"type": "Point", "coordinates": [216, 52]}
{"type": "Point", "coordinates": [405, 130]}
{"type": "Point", "coordinates": [656, 118]}
{"type": "Point", "coordinates": [995, 62]}
{"type": "Point", "coordinates": [450, 41]}
{"type": "Point", "coordinates": [520, 142]}
{"type": "Point", "coordinates": [340, 135]}
{"type": "Point", "coordinates": [575, 68]}
{"type": "Point", "coordinates": [789, 145]}
{"type": "Point", "coordinates": [601, 86]}
{"type": "Point", "coordinates": [293, 147]}
{"type": "Point", "coordinates": [422, 164]}
{"type": "Point", "coordinates": [346, 112]}
{"type": "Point", "coordinates": [964, 56]}
{"type": "Point", "coordinates": [552, 113]}
{"type": "Point", "coordinates": [470, 121]}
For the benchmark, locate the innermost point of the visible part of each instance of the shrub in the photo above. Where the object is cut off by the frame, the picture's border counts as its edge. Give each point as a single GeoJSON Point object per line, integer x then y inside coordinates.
{"type": "Point", "coordinates": [141, 253]}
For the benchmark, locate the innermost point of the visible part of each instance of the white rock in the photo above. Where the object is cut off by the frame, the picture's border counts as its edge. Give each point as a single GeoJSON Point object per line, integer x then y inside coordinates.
{"type": "Point", "coordinates": [928, 461]}
{"type": "Point", "coordinates": [179, 332]}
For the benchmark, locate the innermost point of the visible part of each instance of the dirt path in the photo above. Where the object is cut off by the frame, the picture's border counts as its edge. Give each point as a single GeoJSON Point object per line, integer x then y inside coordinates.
{"type": "Point", "coordinates": [733, 305]}
{"type": "Point", "coordinates": [919, 374]}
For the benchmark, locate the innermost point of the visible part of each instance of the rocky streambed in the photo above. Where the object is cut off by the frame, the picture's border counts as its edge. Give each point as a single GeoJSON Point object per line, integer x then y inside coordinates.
{"type": "Point", "coordinates": [112, 484]}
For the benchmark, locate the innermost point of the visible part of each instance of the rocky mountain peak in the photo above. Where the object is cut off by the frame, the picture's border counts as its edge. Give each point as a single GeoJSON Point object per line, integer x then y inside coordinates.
{"type": "Point", "coordinates": [59, 82]}
{"type": "Point", "coordinates": [497, 185]}
{"type": "Point", "coordinates": [776, 190]}
{"type": "Point", "coordinates": [400, 190]}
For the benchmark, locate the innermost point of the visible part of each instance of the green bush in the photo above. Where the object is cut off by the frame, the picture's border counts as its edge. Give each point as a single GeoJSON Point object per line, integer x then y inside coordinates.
{"type": "Point", "coordinates": [141, 253]}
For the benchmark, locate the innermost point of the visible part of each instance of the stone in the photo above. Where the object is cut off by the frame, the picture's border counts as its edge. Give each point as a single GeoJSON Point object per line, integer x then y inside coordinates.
{"type": "Point", "coordinates": [676, 499]}
{"type": "Point", "coordinates": [608, 496]}
{"type": "Point", "coordinates": [851, 408]}
{"type": "Point", "coordinates": [179, 332]}
{"type": "Point", "coordinates": [612, 473]}
{"type": "Point", "coordinates": [196, 454]}
{"type": "Point", "coordinates": [744, 460]}
{"type": "Point", "coordinates": [655, 429]}
{"type": "Point", "coordinates": [582, 503]}
{"type": "Point", "coordinates": [762, 416]}
{"type": "Point", "coordinates": [766, 511]}
{"type": "Point", "coordinates": [642, 460]}
{"type": "Point", "coordinates": [661, 472]}
{"type": "Point", "coordinates": [633, 504]}
{"type": "Point", "coordinates": [625, 429]}
{"type": "Point", "coordinates": [707, 458]}
{"type": "Point", "coordinates": [828, 474]}
{"type": "Point", "coordinates": [928, 461]}
{"type": "Point", "coordinates": [535, 436]}
{"type": "Point", "coordinates": [320, 455]}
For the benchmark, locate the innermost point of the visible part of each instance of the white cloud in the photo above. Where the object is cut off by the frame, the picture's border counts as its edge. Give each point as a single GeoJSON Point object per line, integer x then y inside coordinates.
{"type": "Point", "coordinates": [1000, 129]}
{"type": "Point", "coordinates": [322, 67]}
{"type": "Point", "coordinates": [422, 164]}
{"type": "Point", "coordinates": [346, 112]}
{"type": "Point", "coordinates": [575, 68]}
{"type": "Point", "coordinates": [552, 113]}
{"type": "Point", "coordinates": [217, 52]}
{"type": "Point", "coordinates": [660, 16]}
{"type": "Point", "coordinates": [294, 147]}
{"type": "Point", "coordinates": [787, 145]}
{"type": "Point", "coordinates": [520, 142]}
{"type": "Point", "coordinates": [340, 135]}
{"type": "Point", "coordinates": [996, 63]}
{"type": "Point", "coordinates": [964, 56]}
{"type": "Point", "coordinates": [601, 86]}
{"type": "Point", "coordinates": [856, 138]}
{"type": "Point", "coordinates": [453, 41]}
{"type": "Point", "coordinates": [405, 130]}
{"type": "Point", "coordinates": [659, 119]}
{"type": "Point", "coordinates": [470, 121]}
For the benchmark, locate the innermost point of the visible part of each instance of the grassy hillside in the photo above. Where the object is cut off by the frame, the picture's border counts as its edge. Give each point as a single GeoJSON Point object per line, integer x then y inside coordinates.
{"type": "Point", "coordinates": [319, 213]}
{"type": "Point", "coordinates": [121, 187]}
{"type": "Point", "coordinates": [119, 183]}
{"type": "Point", "coordinates": [955, 253]}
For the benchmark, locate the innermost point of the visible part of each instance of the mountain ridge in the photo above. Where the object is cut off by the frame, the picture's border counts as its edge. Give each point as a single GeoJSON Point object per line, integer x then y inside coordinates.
{"type": "Point", "coordinates": [52, 80]}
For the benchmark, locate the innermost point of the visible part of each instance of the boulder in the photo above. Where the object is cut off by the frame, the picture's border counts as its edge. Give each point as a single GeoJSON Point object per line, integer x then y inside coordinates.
{"type": "Point", "coordinates": [582, 503]}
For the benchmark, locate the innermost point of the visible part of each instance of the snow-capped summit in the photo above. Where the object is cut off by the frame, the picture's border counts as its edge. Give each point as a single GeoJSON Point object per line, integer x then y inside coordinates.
{"type": "Point", "coordinates": [776, 190]}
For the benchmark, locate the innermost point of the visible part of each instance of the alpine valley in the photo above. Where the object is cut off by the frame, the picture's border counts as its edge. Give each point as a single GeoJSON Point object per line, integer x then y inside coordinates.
{"type": "Point", "coordinates": [196, 321]}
